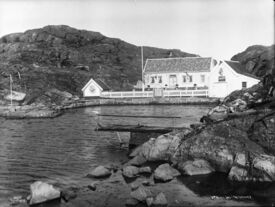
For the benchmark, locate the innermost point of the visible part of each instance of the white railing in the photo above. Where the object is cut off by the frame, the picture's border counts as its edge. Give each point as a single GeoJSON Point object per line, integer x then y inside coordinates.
{"type": "Point", "coordinates": [182, 93]}
{"type": "Point", "coordinates": [127, 94]}
{"type": "Point", "coordinates": [166, 93]}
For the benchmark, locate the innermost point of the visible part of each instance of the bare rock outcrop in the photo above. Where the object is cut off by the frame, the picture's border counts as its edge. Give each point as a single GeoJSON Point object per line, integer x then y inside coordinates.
{"type": "Point", "coordinates": [225, 145]}
{"type": "Point", "coordinates": [42, 192]}
{"type": "Point", "coordinates": [100, 172]}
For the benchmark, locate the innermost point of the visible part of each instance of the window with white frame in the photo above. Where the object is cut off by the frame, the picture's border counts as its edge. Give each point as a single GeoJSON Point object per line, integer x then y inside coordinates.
{"type": "Point", "coordinates": [202, 78]}
{"type": "Point", "coordinates": [187, 79]}
{"type": "Point", "coordinates": [160, 79]}
{"type": "Point", "coordinates": [152, 79]}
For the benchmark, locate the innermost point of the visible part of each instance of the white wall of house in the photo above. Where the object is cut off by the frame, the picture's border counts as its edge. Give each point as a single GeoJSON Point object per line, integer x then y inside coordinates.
{"type": "Point", "coordinates": [92, 89]}
{"type": "Point", "coordinates": [224, 80]}
{"type": "Point", "coordinates": [169, 80]}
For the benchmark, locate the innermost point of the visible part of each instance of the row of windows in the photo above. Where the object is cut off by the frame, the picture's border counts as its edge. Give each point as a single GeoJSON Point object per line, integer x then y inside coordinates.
{"type": "Point", "coordinates": [156, 79]}
{"type": "Point", "coordinates": [173, 78]}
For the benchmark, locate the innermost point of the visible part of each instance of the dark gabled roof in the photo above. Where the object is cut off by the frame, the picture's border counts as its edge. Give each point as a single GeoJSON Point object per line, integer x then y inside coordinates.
{"type": "Point", "coordinates": [187, 64]}
{"type": "Point", "coordinates": [102, 84]}
{"type": "Point", "coordinates": [240, 68]}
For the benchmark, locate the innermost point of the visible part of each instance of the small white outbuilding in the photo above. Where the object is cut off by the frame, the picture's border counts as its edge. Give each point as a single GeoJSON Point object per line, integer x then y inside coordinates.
{"type": "Point", "coordinates": [94, 88]}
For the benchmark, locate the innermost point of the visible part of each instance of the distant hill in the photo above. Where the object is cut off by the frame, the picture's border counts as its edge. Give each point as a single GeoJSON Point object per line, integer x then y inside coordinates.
{"type": "Point", "coordinates": [64, 58]}
{"type": "Point", "coordinates": [258, 59]}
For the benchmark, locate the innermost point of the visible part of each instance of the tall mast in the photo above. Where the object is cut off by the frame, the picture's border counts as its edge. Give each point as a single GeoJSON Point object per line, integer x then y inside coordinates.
{"type": "Point", "coordinates": [142, 78]}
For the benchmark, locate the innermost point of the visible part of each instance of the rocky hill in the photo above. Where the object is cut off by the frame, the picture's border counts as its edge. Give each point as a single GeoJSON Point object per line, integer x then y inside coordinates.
{"type": "Point", "coordinates": [65, 58]}
{"type": "Point", "coordinates": [258, 59]}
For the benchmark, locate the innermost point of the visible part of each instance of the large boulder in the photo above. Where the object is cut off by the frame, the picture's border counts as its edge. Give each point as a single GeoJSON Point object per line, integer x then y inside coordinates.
{"type": "Point", "coordinates": [265, 166]}
{"type": "Point", "coordinates": [99, 172]}
{"type": "Point", "coordinates": [165, 172]}
{"type": "Point", "coordinates": [160, 200]}
{"type": "Point", "coordinates": [141, 193]}
{"type": "Point", "coordinates": [131, 202]}
{"type": "Point", "coordinates": [160, 148]}
{"type": "Point", "coordinates": [69, 194]}
{"type": "Point", "coordinates": [42, 192]}
{"type": "Point", "coordinates": [262, 132]}
{"type": "Point", "coordinates": [137, 160]}
{"type": "Point", "coordinates": [196, 167]}
{"type": "Point", "coordinates": [145, 170]}
{"type": "Point", "coordinates": [15, 96]}
{"type": "Point", "coordinates": [130, 171]}
{"type": "Point", "coordinates": [238, 174]}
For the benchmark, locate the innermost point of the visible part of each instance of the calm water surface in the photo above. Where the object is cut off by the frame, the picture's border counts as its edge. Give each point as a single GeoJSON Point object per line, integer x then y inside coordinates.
{"type": "Point", "coordinates": [62, 150]}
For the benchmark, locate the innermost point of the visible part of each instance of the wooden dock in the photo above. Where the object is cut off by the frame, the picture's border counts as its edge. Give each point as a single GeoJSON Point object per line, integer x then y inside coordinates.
{"type": "Point", "coordinates": [138, 133]}
{"type": "Point", "coordinates": [136, 128]}
{"type": "Point", "coordinates": [140, 116]}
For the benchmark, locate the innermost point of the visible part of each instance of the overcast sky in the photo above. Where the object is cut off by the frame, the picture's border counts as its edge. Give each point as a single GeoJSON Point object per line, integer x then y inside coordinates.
{"type": "Point", "coordinates": [217, 28]}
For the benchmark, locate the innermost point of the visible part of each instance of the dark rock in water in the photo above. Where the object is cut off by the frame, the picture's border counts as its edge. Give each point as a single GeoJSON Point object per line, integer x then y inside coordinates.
{"type": "Point", "coordinates": [92, 186]}
{"type": "Point", "coordinates": [130, 171]}
{"type": "Point", "coordinates": [160, 200]}
{"type": "Point", "coordinates": [165, 172]}
{"type": "Point", "coordinates": [196, 167]}
{"type": "Point", "coordinates": [68, 194]}
{"type": "Point", "coordinates": [99, 172]}
{"type": "Point", "coordinates": [145, 170]}
{"type": "Point", "coordinates": [43, 192]}
{"type": "Point", "coordinates": [131, 202]}
{"type": "Point", "coordinates": [141, 194]}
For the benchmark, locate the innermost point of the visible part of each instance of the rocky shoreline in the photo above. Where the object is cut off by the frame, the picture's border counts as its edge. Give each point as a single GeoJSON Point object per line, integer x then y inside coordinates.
{"type": "Point", "coordinates": [29, 112]}
{"type": "Point", "coordinates": [235, 139]}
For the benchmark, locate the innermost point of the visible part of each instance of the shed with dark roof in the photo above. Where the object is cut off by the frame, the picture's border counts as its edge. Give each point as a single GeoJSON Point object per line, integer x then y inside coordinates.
{"type": "Point", "coordinates": [240, 68]}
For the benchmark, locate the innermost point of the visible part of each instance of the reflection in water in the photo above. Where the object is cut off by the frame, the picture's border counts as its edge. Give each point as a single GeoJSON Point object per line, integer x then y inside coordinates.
{"type": "Point", "coordinates": [64, 149]}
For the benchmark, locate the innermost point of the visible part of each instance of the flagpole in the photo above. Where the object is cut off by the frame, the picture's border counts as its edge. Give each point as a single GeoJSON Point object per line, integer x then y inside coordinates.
{"type": "Point", "coordinates": [142, 79]}
{"type": "Point", "coordinates": [11, 89]}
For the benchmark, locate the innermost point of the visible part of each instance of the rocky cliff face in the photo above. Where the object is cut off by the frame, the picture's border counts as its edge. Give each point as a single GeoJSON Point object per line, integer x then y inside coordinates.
{"type": "Point", "coordinates": [64, 58]}
{"type": "Point", "coordinates": [258, 59]}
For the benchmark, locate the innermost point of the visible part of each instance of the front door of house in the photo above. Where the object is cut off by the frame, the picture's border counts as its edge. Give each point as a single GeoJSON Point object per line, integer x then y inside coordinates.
{"type": "Point", "coordinates": [172, 81]}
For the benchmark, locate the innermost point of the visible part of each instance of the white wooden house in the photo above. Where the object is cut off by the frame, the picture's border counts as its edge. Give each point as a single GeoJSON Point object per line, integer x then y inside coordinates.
{"type": "Point", "coordinates": [197, 73]}
{"type": "Point", "coordinates": [229, 76]}
{"type": "Point", "coordinates": [94, 88]}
